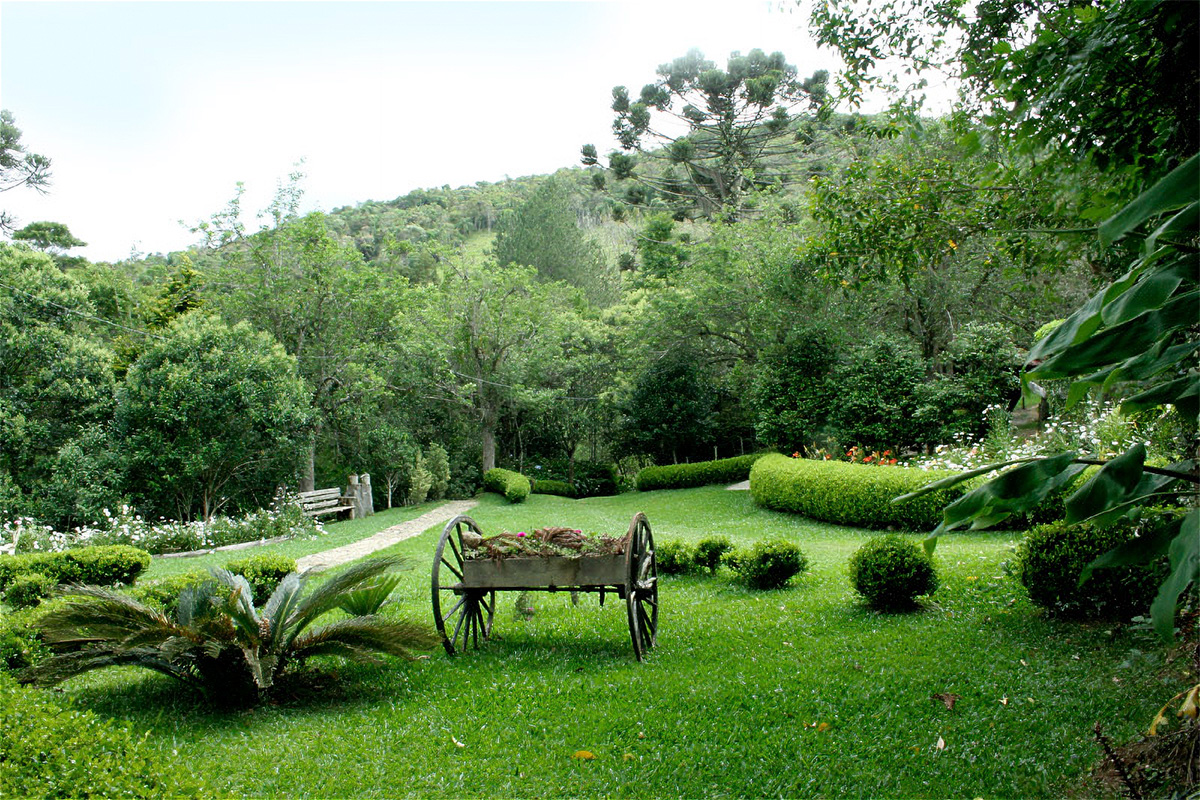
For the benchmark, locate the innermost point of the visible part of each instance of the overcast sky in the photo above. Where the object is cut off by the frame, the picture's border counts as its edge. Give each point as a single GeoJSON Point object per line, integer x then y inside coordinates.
{"type": "Point", "coordinates": [153, 111]}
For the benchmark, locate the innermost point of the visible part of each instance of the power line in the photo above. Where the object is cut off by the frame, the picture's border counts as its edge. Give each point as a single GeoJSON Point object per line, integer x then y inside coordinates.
{"type": "Point", "coordinates": [81, 314]}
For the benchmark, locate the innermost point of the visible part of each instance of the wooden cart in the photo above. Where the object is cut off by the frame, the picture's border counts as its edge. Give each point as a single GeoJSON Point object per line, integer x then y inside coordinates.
{"type": "Point", "coordinates": [464, 589]}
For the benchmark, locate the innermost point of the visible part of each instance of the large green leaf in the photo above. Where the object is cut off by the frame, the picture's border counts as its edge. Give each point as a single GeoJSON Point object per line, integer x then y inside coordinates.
{"type": "Point", "coordinates": [1150, 292]}
{"type": "Point", "coordinates": [1184, 554]}
{"type": "Point", "coordinates": [1138, 550]}
{"type": "Point", "coordinates": [1123, 342]}
{"type": "Point", "coordinates": [1176, 190]}
{"type": "Point", "coordinates": [954, 480]}
{"type": "Point", "coordinates": [1014, 492]}
{"type": "Point", "coordinates": [1184, 222]}
{"type": "Point", "coordinates": [1111, 486]}
{"type": "Point", "coordinates": [1183, 393]}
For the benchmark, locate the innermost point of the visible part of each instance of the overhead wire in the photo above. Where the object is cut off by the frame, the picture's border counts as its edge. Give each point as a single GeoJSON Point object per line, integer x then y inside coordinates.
{"type": "Point", "coordinates": [82, 315]}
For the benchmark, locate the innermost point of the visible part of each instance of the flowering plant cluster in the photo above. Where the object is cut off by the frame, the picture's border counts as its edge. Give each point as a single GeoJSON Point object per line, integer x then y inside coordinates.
{"type": "Point", "coordinates": [855, 455]}
{"type": "Point", "coordinates": [126, 526]}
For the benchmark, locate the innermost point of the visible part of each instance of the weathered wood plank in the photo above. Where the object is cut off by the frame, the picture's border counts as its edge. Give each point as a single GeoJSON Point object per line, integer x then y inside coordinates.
{"type": "Point", "coordinates": [548, 572]}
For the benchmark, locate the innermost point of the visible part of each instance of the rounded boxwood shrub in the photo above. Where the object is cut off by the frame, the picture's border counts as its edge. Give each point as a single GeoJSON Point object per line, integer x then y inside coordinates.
{"type": "Point", "coordinates": [48, 749]}
{"type": "Point", "coordinates": [551, 486]}
{"type": "Point", "coordinates": [710, 552]}
{"type": "Point", "coordinates": [263, 572]}
{"type": "Point", "coordinates": [769, 564]}
{"type": "Point", "coordinates": [891, 572]}
{"type": "Point", "coordinates": [674, 558]}
{"type": "Point", "coordinates": [21, 643]}
{"type": "Point", "coordinates": [1050, 559]}
{"type": "Point", "coordinates": [29, 589]}
{"type": "Point", "coordinates": [851, 494]}
{"type": "Point", "coordinates": [513, 485]}
{"type": "Point", "coordinates": [101, 565]}
{"type": "Point", "coordinates": [701, 473]}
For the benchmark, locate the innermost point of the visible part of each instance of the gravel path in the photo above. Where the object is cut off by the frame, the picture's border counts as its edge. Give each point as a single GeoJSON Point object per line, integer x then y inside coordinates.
{"type": "Point", "coordinates": [739, 487]}
{"type": "Point", "coordinates": [385, 538]}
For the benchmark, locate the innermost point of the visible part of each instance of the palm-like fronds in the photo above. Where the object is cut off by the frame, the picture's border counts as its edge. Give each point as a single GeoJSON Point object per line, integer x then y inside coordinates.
{"type": "Point", "coordinates": [218, 639]}
{"type": "Point", "coordinates": [368, 598]}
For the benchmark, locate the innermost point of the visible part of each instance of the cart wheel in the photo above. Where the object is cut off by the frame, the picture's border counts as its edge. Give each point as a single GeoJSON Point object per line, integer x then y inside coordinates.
{"type": "Point", "coordinates": [641, 588]}
{"type": "Point", "coordinates": [468, 613]}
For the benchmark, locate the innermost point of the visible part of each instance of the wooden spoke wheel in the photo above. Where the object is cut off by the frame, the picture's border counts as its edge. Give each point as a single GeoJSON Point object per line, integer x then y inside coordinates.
{"type": "Point", "coordinates": [641, 587]}
{"type": "Point", "coordinates": [462, 616]}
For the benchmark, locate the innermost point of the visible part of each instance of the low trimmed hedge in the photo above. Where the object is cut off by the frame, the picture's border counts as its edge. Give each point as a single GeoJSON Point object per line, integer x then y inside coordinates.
{"type": "Point", "coordinates": [556, 488]}
{"type": "Point", "coordinates": [513, 485]}
{"type": "Point", "coordinates": [102, 565]}
{"type": "Point", "coordinates": [48, 749]}
{"type": "Point", "coordinates": [263, 572]}
{"type": "Point", "coordinates": [21, 642]}
{"type": "Point", "coordinates": [701, 473]}
{"type": "Point", "coordinates": [850, 494]}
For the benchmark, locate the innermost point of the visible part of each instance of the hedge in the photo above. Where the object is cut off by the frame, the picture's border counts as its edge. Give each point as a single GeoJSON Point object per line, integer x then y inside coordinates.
{"type": "Point", "coordinates": [102, 565]}
{"type": "Point", "coordinates": [700, 473]}
{"type": "Point", "coordinates": [551, 486]}
{"type": "Point", "coordinates": [513, 485]}
{"type": "Point", "coordinates": [850, 494]}
{"type": "Point", "coordinates": [48, 749]}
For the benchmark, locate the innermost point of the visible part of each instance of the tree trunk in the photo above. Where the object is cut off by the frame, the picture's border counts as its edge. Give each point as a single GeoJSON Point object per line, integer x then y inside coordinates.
{"type": "Point", "coordinates": [308, 481]}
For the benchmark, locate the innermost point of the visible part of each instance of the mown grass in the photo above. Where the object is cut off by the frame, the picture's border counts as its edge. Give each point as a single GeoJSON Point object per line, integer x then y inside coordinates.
{"type": "Point", "coordinates": [800, 692]}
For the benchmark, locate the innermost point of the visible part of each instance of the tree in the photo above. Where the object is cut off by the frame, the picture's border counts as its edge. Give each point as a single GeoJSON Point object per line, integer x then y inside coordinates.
{"type": "Point", "coordinates": [734, 121]}
{"type": "Point", "coordinates": [480, 335]}
{"type": "Point", "coordinates": [54, 378]}
{"type": "Point", "coordinates": [49, 237]}
{"type": "Point", "coordinates": [669, 412]}
{"type": "Point", "coordinates": [18, 167]}
{"type": "Point", "coordinates": [1058, 64]}
{"type": "Point", "coordinates": [543, 233]}
{"type": "Point", "coordinates": [209, 416]}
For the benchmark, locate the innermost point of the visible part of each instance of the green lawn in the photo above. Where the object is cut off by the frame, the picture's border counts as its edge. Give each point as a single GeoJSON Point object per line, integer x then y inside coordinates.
{"type": "Point", "coordinates": [799, 692]}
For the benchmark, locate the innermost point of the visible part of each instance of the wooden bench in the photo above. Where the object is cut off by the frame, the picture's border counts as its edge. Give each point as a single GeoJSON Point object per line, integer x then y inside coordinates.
{"type": "Point", "coordinates": [326, 501]}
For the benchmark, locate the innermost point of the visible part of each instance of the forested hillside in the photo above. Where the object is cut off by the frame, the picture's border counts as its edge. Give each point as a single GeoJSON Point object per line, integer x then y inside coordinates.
{"type": "Point", "coordinates": [778, 275]}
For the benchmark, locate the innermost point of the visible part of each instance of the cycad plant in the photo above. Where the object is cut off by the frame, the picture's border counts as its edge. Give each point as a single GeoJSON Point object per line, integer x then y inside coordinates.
{"type": "Point", "coordinates": [217, 639]}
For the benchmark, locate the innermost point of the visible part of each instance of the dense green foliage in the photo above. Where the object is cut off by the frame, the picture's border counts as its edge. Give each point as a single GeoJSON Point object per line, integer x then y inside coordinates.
{"type": "Point", "coordinates": [710, 552]}
{"type": "Point", "coordinates": [891, 572]}
{"type": "Point", "coordinates": [674, 557]}
{"type": "Point", "coordinates": [28, 589]}
{"type": "Point", "coordinates": [49, 749]}
{"type": "Point", "coordinates": [770, 563]}
{"type": "Point", "coordinates": [847, 494]}
{"type": "Point", "coordinates": [512, 485]}
{"type": "Point", "coordinates": [701, 473]}
{"type": "Point", "coordinates": [101, 565]}
{"type": "Point", "coordinates": [551, 486]}
{"type": "Point", "coordinates": [1051, 558]}
{"type": "Point", "coordinates": [263, 571]}
{"type": "Point", "coordinates": [21, 644]}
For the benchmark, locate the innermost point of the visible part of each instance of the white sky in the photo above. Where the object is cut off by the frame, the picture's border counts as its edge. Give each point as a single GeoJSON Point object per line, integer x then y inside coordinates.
{"type": "Point", "coordinates": [153, 111]}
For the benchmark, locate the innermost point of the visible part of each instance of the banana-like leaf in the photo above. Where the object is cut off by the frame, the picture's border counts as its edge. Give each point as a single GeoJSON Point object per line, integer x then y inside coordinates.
{"type": "Point", "coordinates": [1150, 292]}
{"type": "Point", "coordinates": [1112, 485]}
{"type": "Point", "coordinates": [1176, 190]}
{"type": "Point", "coordinates": [1186, 221]}
{"type": "Point", "coordinates": [1139, 550]}
{"type": "Point", "coordinates": [1183, 393]}
{"type": "Point", "coordinates": [1184, 554]}
{"type": "Point", "coordinates": [1077, 327]}
{"type": "Point", "coordinates": [1122, 342]}
{"type": "Point", "coordinates": [1157, 360]}
{"type": "Point", "coordinates": [1013, 492]}
{"type": "Point", "coordinates": [954, 480]}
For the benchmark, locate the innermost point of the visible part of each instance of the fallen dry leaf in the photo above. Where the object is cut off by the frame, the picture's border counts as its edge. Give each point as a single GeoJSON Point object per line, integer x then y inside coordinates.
{"type": "Point", "coordinates": [824, 726]}
{"type": "Point", "coordinates": [628, 757]}
{"type": "Point", "coordinates": [1003, 701]}
{"type": "Point", "coordinates": [941, 744]}
{"type": "Point", "coordinates": [946, 698]}
{"type": "Point", "coordinates": [457, 743]}
{"type": "Point", "coordinates": [583, 755]}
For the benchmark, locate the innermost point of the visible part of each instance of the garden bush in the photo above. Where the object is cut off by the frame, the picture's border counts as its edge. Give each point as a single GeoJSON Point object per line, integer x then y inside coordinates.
{"type": "Point", "coordinates": [513, 485]}
{"type": "Point", "coordinates": [102, 565]}
{"type": "Point", "coordinates": [263, 572]}
{"type": "Point", "coordinates": [28, 589]}
{"type": "Point", "coordinates": [850, 494]}
{"type": "Point", "coordinates": [701, 473]}
{"type": "Point", "coordinates": [1051, 557]}
{"type": "Point", "coordinates": [674, 558]}
{"type": "Point", "coordinates": [51, 750]}
{"type": "Point", "coordinates": [551, 486]}
{"type": "Point", "coordinates": [890, 572]}
{"type": "Point", "coordinates": [710, 552]}
{"type": "Point", "coordinates": [437, 461]}
{"type": "Point", "coordinates": [163, 593]}
{"type": "Point", "coordinates": [769, 564]}
{"type": "Point", "coordinates": [21, 643]}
